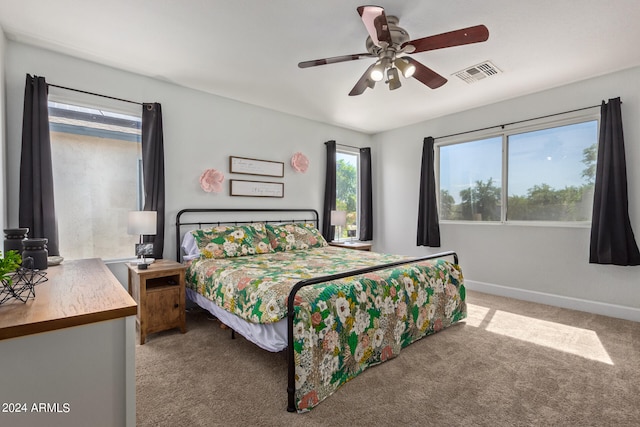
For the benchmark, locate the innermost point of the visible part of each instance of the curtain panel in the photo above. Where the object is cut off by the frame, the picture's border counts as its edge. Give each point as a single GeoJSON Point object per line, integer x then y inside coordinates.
{"type": "Point", "coordinates": [428, 224]}
{"type": "Point", "coordinates": [329, 192]}
{"type": "Point", "coordinates": [365, 224]}
{"type": "Point", "coordinates": [612, 239]}
{"type": "Point", "coordinates": [153, 171]}
{"type": "Point", "coordinates": [36, 209]}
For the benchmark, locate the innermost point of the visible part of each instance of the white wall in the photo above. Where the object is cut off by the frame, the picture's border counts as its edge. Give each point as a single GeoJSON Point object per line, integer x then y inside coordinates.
{"type": "Point", "coordinates": [543, 263]}
{"type": "Point", "coordinates": [201, 131]}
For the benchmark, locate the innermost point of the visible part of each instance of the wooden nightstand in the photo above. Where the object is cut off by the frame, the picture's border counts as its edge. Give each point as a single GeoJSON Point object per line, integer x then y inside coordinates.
{"type": "Point", "coordinates": [359, 246]}
{"type": "Point", "coordinates": [159, 292]}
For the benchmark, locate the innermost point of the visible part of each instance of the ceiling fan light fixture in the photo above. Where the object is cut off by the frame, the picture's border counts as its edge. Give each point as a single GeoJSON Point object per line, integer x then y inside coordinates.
{"type": "Point", "coordinates": [393, 78]}
{"type": "Point", "coordinates": [406, 68]}
{"type": "Point", "coordinates": [377, 72]}
{"type": "Point", "coordinates": [390, 44]}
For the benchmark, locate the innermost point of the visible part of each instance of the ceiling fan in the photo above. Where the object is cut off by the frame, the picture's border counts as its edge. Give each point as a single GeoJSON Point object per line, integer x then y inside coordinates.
{"type": "Point", "coordinates": [391, 45]}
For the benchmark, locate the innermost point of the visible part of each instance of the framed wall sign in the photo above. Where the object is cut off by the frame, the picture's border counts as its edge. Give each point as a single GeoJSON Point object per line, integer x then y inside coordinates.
{"type": "Point", "coordinates": [240, 187]}
{"type": "Point", "coordinates": [255, 166]}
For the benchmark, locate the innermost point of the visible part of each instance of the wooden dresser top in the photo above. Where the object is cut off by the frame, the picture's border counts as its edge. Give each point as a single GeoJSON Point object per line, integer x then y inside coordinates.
{"type": "Point", "coordinates": [76, 293]}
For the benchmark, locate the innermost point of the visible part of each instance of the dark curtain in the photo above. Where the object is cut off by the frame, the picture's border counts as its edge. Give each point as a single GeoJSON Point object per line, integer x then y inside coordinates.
{"type": "Point", "coordinates": [153, 170]}
{"type": "Point", "coordinates": [612, 240]}
{"type": "Point", "coordinates": [428, 225]}
{"type": "Point", "coordinates": [366, 199]}
{"type": "Point", "coordinates": [329, 191]}
{"type": "Point", "coordinates": [36, 208]}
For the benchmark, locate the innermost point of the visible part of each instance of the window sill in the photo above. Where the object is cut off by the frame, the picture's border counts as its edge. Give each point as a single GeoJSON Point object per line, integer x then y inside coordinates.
{"type": "Point", "coordinates": [547, 224]}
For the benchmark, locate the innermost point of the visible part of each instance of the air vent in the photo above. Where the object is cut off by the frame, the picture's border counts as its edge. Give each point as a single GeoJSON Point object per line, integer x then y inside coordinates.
{"type": "Point", "coordinates": [478, 72]}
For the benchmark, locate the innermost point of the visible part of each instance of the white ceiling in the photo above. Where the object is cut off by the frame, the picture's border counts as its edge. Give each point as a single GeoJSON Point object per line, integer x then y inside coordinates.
{"type": "Point", "coordinates": [248, 50]}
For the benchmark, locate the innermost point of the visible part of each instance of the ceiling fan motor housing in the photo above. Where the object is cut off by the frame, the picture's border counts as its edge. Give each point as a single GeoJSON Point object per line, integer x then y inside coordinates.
{"type": "Point", "coordinates": [398, 35]}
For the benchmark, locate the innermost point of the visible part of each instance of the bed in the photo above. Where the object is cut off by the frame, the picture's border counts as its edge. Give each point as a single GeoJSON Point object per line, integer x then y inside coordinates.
{"type": "Point", "coordinates": [335, 311]}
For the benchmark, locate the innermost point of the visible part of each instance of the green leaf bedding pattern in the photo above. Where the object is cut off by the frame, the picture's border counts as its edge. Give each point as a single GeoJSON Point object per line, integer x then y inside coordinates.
{"type": "Point", "coordinates": [341, 327]}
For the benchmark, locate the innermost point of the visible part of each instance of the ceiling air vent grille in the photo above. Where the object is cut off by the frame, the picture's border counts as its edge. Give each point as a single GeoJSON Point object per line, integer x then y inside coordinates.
{"type": "Point", "coordinates": [478, 72]}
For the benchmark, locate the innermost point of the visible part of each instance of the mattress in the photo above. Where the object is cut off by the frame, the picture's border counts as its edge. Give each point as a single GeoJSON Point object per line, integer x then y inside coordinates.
{"type": "Point", "coordinates": [271, 336]}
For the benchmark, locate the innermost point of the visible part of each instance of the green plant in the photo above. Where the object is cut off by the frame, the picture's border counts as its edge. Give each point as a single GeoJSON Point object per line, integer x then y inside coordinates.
{"type": "Point", "coordinates": [8, 264]}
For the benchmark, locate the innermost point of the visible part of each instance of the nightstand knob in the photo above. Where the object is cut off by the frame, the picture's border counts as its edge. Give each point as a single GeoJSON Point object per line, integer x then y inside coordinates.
{"type": "Point", "coordinates": [176, 305]}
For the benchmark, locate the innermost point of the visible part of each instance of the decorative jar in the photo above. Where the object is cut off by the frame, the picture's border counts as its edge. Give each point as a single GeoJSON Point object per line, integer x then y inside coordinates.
{"type": "Point", "coordinates": [13, 238]}
{"type": "Point", "coordinates": [35, 248]}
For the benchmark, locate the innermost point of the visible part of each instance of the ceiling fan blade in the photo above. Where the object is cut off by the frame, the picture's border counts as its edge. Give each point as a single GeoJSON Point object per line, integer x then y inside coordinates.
{"type": "Point", "coordinates": [376, 23]}
{"type": "Point", "coordinates": [364, 82]}
{"type": "Point", "coordinates": [333, 60]}
{"type": "Point", "coordinates": [426, 75]}
{"type": "Point", "coordinates": [469, 35]}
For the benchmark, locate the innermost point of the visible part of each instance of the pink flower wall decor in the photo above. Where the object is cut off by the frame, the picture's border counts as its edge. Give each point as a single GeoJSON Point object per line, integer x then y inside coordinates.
{"type": "Point", "coordinates": [299, 162]}
{"type": "Point", "coordinates": [211, 180]}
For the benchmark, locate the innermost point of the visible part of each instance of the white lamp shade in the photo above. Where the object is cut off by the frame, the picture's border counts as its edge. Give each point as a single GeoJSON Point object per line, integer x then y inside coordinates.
{"type": "Point", "coordinates": [142, 222]}
{"type": "Point", "coordinates": [339, 218]}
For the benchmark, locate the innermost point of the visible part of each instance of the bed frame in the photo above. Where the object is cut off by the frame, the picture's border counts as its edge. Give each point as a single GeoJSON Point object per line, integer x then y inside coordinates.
{"type": "Point", "coordinates": [276, 216]}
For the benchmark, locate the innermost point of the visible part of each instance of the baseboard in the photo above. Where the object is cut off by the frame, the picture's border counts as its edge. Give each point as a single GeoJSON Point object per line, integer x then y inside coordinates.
{"type": "Point", "coordinates": [595, 307]}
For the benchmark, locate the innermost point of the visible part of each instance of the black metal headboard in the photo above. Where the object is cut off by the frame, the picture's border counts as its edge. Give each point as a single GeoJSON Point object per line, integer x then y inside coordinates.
{"type": "Point", "coordinates": [202, 217]}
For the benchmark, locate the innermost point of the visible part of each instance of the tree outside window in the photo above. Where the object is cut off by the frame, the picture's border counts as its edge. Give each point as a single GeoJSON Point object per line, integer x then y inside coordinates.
{"type": "Point", "coordinates": [347, 191]}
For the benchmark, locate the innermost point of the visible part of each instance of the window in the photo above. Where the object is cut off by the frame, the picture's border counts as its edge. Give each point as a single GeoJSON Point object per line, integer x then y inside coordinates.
{"type": "Point", "coordinates": [543, 174]}
{"type": "Point", "coordinates": [97, 176]}
{"type": "Point", "coordinates": [470, 180]}
{"type": "Point", "coordinates": [347, 184]}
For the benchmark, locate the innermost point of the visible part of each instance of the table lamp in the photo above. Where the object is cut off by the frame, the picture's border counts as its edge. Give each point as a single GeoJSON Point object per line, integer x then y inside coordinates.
{"type": "Point", "coordinates": [338, 219]}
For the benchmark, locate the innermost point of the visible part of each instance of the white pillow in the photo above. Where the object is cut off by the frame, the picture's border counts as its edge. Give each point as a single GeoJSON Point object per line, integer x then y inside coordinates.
{"type": "Point", "coordinates": [189, 247]}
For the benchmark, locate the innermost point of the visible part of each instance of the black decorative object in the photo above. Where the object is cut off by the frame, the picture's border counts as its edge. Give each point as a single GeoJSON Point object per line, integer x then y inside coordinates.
{"type": "Point", "coordinates": [20, 284]}
{"type": "Point", "coordinates": [36, 249]}
{"type": "Point", "coordinates": [13, 238]}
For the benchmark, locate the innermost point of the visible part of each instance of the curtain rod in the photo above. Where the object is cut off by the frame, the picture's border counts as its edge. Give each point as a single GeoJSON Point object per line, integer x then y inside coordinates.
{"type": "Point", "coordinates": [516, 122]}
{"type": "Point", "coordinates": [350, 146]}
{"type": "Point", "coordinates": [95, 94]}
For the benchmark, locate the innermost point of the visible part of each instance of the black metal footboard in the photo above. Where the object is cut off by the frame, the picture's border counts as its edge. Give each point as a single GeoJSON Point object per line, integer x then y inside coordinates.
{"type": "Point", "coordinates": [291, 385]}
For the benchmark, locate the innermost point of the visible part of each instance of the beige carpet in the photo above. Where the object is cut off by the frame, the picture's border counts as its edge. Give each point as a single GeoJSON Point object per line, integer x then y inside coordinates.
{"type": "Point", "coordinates": [511, 363]}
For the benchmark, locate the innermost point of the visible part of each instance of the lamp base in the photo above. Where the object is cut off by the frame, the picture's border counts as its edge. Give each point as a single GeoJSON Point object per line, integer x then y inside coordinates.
{"type": "Point", "coordinates": [138, 261]}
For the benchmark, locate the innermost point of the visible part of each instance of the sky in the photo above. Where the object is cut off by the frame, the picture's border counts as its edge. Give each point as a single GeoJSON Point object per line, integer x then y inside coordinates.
{"type": "Point", "coordinates": [349, 158]}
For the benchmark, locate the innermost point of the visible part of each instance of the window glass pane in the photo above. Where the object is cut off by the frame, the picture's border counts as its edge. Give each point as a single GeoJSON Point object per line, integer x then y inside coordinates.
{"type": "Point", "coordinates": [96, 158]}
{"type": "Point", "coordinates": [470, 180]}
{"type": "Point", "coordinates": [347, 193]}
{"type": "Point", "coordinates": [551, 173]}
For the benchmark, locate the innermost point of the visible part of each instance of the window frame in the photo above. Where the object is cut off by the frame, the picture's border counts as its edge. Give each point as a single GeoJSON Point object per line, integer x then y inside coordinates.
{"type": "Point", "coordinates": [558, 120]}
{"type": "Point", "coordinates": [353, 152]}
{"type": "Point", "coordinates": [115, 108]}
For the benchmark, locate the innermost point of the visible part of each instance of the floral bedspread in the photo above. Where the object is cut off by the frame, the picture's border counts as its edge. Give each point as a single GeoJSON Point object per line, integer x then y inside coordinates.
{"type": "Point", "coordinates": [340, 327]}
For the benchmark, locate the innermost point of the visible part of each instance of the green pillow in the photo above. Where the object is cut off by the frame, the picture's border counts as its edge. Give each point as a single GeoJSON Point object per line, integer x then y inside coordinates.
{"type": "Point", "coordinates": [232, 241]}
{"type": "Point", "coordinates": [287, 237]}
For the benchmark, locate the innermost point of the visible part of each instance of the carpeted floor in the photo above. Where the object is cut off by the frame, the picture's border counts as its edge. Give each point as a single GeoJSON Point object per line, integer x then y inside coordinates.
{"type": "Point", "coordinates": [511, 363]}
